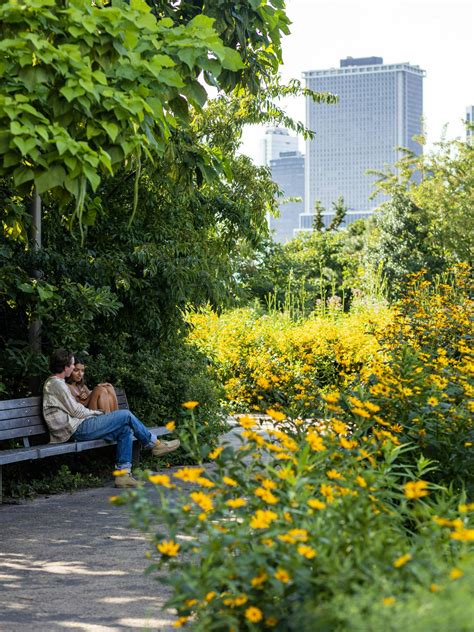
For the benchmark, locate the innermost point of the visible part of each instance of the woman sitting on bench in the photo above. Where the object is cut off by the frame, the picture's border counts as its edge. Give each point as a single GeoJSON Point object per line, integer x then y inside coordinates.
{"type": "Point", "coordinates": [102, 396]}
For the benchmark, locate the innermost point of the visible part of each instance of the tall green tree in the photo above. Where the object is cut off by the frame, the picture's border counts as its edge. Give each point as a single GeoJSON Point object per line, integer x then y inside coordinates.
{"type": "Point", "coordinates": [340, 212]}
{"type": "Point", "coordinates": [318, 223]}
{"type": "Point", "coordinates": [440, 184]}
{"type": "Point", "coordinates": [94, 87]}
{"type": "Point", "coordinates": [404, 242]}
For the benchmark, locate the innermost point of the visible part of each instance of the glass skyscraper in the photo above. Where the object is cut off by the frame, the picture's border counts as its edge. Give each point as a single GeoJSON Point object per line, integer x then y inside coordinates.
{"type": "Point", "coordinates": [276, 141]}
{"type": "Point", "coordinates": [380, 107]}
{"type": "Point", "coordinates": [288, 172]}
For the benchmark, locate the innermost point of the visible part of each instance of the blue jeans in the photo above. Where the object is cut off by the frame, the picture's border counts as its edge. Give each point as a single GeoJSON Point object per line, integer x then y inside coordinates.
{"type": "Point", "coordinates": [120, 426]}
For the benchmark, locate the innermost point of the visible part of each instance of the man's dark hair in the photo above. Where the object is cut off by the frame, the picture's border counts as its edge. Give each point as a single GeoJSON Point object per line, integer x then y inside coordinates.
{"type": "Point", "coordinates": [60, 359]}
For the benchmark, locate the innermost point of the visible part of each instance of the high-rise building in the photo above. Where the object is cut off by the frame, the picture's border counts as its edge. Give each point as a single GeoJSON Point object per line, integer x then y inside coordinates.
{"type": "Point", "coordinates": [276, 141]}
{"type": "Point", "coordinates": [380, 107]}
{"type": "Point", "coordinates": [288, 173]}
{"type": "Point", "coordinates": [470, 123]}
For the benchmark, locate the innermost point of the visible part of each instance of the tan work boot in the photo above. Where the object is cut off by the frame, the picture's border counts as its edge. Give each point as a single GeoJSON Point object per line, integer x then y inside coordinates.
{"type": "Point", "coordinates": [125, 481]}
{"type": "Point", "coordinates": [163, 447]}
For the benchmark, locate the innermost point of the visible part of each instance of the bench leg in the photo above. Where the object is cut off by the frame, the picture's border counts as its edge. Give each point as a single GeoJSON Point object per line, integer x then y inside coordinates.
{"type": "Point", "coordinates": [136, 454]}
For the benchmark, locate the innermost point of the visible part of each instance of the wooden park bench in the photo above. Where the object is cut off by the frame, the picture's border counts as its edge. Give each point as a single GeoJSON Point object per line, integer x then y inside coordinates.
{"type": "Point", "coordinates": [22, 419]}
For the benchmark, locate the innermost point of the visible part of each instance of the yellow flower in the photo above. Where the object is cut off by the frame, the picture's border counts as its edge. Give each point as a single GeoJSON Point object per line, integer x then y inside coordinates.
{"type": "Point", "coordinates": [402, 560]}
{"type": "Point", "coordinates": [263, 383]}
{"type": "Point", "coordinates": [434, 587]}
{"type": "Point", "coordinates": [120, 472]}
{"type": "Point", "coordinates": [416, 489]}
{"type": "Point", "coordinates": [262, 519]}
{"type": "Point", "coordinates": [216, 453]}
{"type": "Point", "coordinates": [463, 535]}
{"type": "Point", "coordinates": [186, 508]}
{"type": "Point", "coordinates": [236, 502]}
{"type": "Point", "coordinates": [432, 401]}
{"type": "Point", "coordinates": [190, 405]}
{"type": "Point", "coordinates": [236, 601]}
{"type": "Point", "coordinates": [260, 579]}
{"type": "Point", "coordinates": [275, 414]}
{"type": "Point", "coordinates": [361, 412]}
{"type": "Point", "coordinates": [246, 422]}
{"type": "Point", "coordinates": [253, 614]}
{"type": "Point", "coordinates": [334, 474]}
{"type": "Point", "coordinates": [294, 535]}
{"type": "Point", "coordinates": [361, 481]}
{"type": "Point", "coordinates": [205, 482]}
{"type": "Point", "coordinates": [271, 622]}
{"type": "Point", "coordinates": [444, 522]}
{"type": "Point", "coordinates": [314, 503]}
{"type": "Point", "coordinates": [282, 576]}
{"type": "Point", "coordinates": [202, 500]}
{"type": "Point", "coordinates": [180, 622]}
{"type": "Point", "coordinates": [269, 484]}
{"type": "Point", "coordinates": [456, 573]}
{"type": "Point", "coordinates": [168, 547]}
{"type": "Point", "coordinates": [266, 495]}
{"type": "Point", "coordinates": [388, 601]}
{"type": "Point", "coordinates": [332, 397]}
{"type": "Point", "coordinates": [210, 596]}
{"type": "Point", "coordinates": [189, 474]}
{"type": "Point", "coordinates": [328, 492]}
{"type": "Point", "coordinates": [348, 445]}
{"type": "Point", "coordinates": [171, 425]}
{"type": "Point", "coordinates": [339, 427]}
{"type": "Point", "coordinates": [374, 408]}
{"type": "Point", "coordinates": [229, 481]}
{"type": "Point", "coordinates": [113, 499]}
{"type": "Point", "coordinates": [315, 441]}
{"type": "Point", "coordinates": [190, 602]}
{"type": "Point", "coordinates": [161, 479]}
{"type": "Point", "coordinates": [306, 551]}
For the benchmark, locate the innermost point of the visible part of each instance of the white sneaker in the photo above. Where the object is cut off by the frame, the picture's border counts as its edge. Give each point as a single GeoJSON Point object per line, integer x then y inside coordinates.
{"type": "Point", "coordinates": [165, 446]}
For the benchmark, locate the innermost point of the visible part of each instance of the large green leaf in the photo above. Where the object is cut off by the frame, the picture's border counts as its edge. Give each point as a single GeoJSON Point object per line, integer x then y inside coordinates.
{"type": "Point", "coordinates": [53, 177]}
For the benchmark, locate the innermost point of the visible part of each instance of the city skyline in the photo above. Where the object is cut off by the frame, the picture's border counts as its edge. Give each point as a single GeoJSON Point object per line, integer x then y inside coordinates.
{"type": "Point", "coordinates": [380, 108]}
{"type": "Point", "coordinates": [324, 32]}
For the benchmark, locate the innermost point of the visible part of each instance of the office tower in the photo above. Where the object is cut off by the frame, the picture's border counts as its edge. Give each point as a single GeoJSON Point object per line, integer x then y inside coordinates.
{"type": "Point", "coordinates": [276, 141]}
{"type": "Point", "coordinates": [470, 121]}
{"type": "Point", "coordinates": [380, 107]}
{"type": "Point", "coordinates": [288, 173]}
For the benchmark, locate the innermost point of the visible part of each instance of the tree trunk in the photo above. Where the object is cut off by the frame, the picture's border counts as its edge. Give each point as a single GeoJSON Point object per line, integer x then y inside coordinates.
{"type": "Point", "coordinates": [34, 333]}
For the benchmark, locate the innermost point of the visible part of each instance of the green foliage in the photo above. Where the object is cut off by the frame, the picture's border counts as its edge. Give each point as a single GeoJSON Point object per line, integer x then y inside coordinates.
{"type": "Point", "coordinates": [298, 521]}
{"type": "Point", "coordinates": [428, 222]}
{"type": "Point", "coordinates": [404, 244]}
{"type": "Point", "coordinates": [345, 519]}
{"type": "Point", "coordinates": [448, 606]}
{"type": "Point", "coordinates": [318, 223]}
{"type": "Point", "coordinates": [252, 28]}
{"type": "Point", "coordinates": [93, 86]}
{"type": "Point", "coordinates": [63, 480]}
{"type": "Point", "coordinates": [314, 266]}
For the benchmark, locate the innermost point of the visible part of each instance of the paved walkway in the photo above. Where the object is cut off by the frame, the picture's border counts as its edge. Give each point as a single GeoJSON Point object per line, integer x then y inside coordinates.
{"type": "Point", "coordinates": [71, 562]}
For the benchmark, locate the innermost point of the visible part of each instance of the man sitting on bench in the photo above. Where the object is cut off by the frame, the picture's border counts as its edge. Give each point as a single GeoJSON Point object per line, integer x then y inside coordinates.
{"type": "Point", "coordinates": [69, 420]}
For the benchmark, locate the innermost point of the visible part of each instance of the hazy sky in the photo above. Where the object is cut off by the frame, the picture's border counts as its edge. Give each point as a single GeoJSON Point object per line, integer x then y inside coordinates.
{"type": "Point", "coordinates": [437, 36]}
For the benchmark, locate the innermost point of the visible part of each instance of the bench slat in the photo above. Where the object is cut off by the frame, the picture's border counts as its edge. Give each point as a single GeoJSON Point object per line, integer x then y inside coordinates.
{"type": "Point", "coordinates": [37, 410]}
{"type": "Point", "coordinates": [15, 433]}
{"type": "Point", "coordinates": [8, 404]}
{"type": "Point", "coordinates": [20, 412]}
{"type": "Point", "coordinates": [20, 422]}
